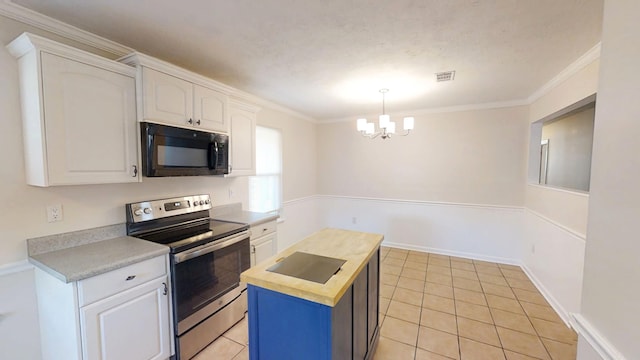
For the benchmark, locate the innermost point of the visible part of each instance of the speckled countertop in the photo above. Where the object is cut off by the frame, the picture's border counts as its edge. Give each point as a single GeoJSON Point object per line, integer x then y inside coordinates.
{"type": "Point", "coordinates": [234, 212]}
{"type": "Point", "coordinates": [353, 246]}
{"type": "Point", "coordinates": [82, 254]}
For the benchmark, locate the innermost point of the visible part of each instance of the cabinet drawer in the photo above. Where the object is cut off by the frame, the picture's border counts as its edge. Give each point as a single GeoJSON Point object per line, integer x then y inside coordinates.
{"type": "Point", "coordinates": [113, 282]}
{"type": "Point", "coordinates": [263, 229]}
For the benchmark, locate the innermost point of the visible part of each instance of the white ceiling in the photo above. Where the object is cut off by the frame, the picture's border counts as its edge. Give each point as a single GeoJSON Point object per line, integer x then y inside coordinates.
{"type": "Point", "coordinates": [328, 58]}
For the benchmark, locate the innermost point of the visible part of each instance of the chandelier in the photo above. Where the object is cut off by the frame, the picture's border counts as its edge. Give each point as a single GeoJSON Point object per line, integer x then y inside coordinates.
{"type": "Point", "coordinates": [386, 126]}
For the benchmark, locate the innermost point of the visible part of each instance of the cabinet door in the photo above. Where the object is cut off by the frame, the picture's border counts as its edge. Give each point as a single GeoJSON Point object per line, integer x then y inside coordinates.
{"type": "Point", "coordinates": [360, 315]}
{"type": "Point", "coordinates": [373, 299]}
{"type": "Point", "coordinates": [264, 248]}
{"type": "Point", "coordinates": [243, 142]}
{"type": "Point", "coordinates": [210, 109]}
{"type": "Point", "coordinates": [131, 325]}
{"type": "Point", "coordinates": [90, 123]}
{"type": "Point", "coordinates": [166, 98]}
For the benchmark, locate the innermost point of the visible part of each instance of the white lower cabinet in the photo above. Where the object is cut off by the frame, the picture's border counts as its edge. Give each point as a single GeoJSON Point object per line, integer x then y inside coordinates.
{"type": "Point", "coordinates": [123, 314]}
{"type": "Point", "coordinates": [131, 325]}
{"type": "Point", "coordinates": [264, 240]}
{"type": "Point", "coordinates": [263, 248]}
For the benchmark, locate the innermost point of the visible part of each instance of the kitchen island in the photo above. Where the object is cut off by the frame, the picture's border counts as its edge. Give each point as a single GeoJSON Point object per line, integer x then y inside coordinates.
{"type": "Point", "coordinates": [293, 318]}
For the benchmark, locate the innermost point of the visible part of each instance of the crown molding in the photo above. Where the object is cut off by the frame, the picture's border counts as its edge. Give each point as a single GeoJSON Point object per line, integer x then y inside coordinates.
{"type": "Point", "coordinates": [30, 17]}
{"type": "Point", "coordinates": [439, 110]}
{"type": "Point", "coordinates": [245, 96]}
{"type": "Point", "coordinates": [590, 56]}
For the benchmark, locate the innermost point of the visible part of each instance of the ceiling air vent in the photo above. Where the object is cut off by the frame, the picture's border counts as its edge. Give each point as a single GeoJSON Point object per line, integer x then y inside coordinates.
{"type": "Point", "coordinates": [445, 76]}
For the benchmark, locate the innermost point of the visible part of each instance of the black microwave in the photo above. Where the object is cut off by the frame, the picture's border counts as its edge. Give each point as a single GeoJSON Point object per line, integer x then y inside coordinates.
{"type": "Point", "coordinates": [173, 151]}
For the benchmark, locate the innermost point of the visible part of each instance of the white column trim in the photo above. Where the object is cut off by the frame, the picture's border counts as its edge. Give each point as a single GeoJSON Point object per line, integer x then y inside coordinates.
{"type": "Point", "coordinates": [597, 341]}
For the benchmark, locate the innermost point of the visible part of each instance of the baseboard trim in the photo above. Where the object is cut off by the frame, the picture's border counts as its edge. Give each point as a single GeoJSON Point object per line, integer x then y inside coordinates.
{"type": "Point", "coordinates": [461, 254]}
{"type": "Point", "coordinates": [15, 267]}
{"type": "Point", "coordinates": [555, 304]}
{"type": "Point", "coordinates": [598, 342]}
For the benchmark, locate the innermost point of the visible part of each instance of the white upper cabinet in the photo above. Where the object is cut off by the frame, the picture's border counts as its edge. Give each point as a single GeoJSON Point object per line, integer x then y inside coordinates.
{"type": "Point", "coordinates": [175, 96]}
{"type": "Point", "coordinates": [210, 109]}
{"type": "Point", "coordinates": [79, 115]}
{"type": "Point", "coordinates": [243, 139]}
{"type": "Point", "coordinates": [166, 98]}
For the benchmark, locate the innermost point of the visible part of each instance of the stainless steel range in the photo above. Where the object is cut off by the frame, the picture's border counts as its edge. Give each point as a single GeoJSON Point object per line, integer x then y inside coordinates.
{"type": "Point", "coordinates": [207, 257]}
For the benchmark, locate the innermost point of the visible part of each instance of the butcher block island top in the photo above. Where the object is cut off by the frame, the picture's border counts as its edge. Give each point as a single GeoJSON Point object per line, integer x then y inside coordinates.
{"type": "Point", "coordinates": [355, 247]}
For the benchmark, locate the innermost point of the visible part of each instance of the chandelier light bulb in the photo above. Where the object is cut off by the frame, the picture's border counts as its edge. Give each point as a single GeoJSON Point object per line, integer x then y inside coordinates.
{"type": "Point", "coordinates": [362, 124]}
{"type": "Point", "coordinates": [408, 123]}
{"type": "Point", "coordinates": [370, 129]}
{"type": "Point", "coordinates": [386, 126]}
{"type": "Point", "coordinates": [391, 127]}
{"type": "Point", "coordinates": [384, 121]}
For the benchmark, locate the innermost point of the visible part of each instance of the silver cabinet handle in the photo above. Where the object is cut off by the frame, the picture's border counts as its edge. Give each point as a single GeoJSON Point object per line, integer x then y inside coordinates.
{"type": "Point", "coordinates": [135, 170]}
{"type": "Point", "coordinates": [198, 122]}
{"type": "Point", "coordinates": [165, 290]}
{"type": "Point", "coordinates": [130, 277]}
{"type": "Point", "coordinates": [190, 121]}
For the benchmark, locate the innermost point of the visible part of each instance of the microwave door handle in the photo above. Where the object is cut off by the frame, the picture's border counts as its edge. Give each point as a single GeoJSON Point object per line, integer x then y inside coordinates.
{"type": "Point", "coordinates": [213, 155]}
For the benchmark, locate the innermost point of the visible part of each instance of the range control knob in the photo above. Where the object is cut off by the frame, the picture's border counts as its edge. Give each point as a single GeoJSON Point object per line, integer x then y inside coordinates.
{"type": "Point", "coordinates": [201, 202]}
{"type": "Point", "coordinates": [137, 212]}
{"type": "Point", "coordinates": [147, 210]}
{"type": "Point", "coordinates": [206, 201]}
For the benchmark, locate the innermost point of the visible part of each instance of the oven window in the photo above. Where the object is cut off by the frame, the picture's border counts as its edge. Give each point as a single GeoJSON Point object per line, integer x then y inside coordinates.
{"type": "Point", "coordinates": [181, 156]}
{"type": "Point", "coordinates": [203, 279]}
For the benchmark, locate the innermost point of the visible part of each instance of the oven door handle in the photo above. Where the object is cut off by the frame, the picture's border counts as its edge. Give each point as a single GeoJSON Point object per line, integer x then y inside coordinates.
{"type": "Point", "coordinates": [208, 248]}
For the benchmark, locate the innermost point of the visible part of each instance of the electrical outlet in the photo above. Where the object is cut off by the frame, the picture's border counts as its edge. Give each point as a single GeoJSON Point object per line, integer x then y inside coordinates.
{"type": "Point", "coordinates": [354, 220]}
{"type": "Point", "coordinates": [54, 213]}
{"type": "Point", "coordinates": [230, 193]}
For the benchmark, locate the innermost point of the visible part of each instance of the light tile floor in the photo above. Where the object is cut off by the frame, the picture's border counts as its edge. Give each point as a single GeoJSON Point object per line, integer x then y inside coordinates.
{"type": "Point", "coordinates": [436, 307]}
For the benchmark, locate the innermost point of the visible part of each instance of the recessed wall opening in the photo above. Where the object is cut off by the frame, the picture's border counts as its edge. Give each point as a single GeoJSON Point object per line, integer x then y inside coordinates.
{"type": "Point", "coordinates": [560, 148]}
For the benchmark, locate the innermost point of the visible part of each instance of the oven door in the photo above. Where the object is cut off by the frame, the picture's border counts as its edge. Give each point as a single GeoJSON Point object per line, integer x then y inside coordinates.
{"type": "Point", "coordinates": [206, 278]}
{"type": "Point", "coordinates": [172, 151]}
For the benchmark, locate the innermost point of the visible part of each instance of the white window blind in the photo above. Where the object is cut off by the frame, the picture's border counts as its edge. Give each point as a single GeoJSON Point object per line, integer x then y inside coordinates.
{"type": "Point", "coordinates": [265, 193]}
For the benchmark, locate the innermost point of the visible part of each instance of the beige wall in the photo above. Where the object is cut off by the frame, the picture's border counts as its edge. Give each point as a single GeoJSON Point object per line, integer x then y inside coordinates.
{"type": "Point", "coordinates": [582, 84]}
{"type": "Point", "coordinates": [564, 208]}
{"type": "Point", "coordinates": [90, 206]}
{"type": "Point", "coordinates": [474, 157]}
{"type": "Point", "coordinates": [299, 152]}
{"type": "Point", "coordinates": [612, 269]}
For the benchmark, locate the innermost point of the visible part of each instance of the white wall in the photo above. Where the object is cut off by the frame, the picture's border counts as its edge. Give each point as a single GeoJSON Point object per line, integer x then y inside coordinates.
{"type": "Point", "coordinates": [612, 269]}
{"type": "Point", "coordinates": [555, 220]}
{"type": "Point", "coordinates": [91, 206]}
{"type": "Point", "coordinates": [486, 232]}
